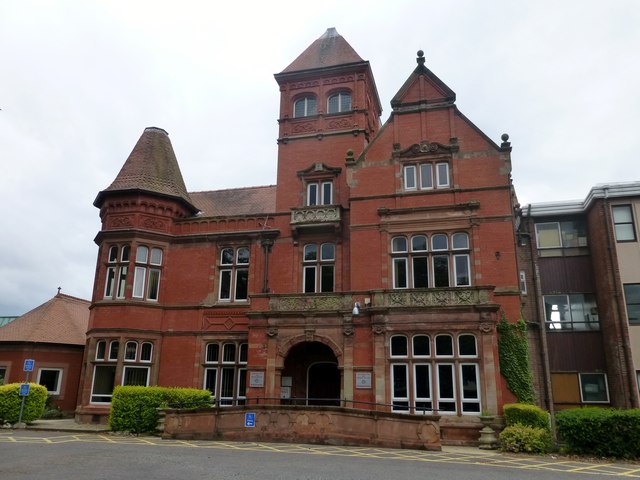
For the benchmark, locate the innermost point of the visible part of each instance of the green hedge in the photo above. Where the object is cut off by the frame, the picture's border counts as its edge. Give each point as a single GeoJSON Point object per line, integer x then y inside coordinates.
{"type": "Point", "coordinates": [526, 439]}
{"type": "Point", "coordinates": [604, 432]}
{"type": "Point", "coordinates": [135, 409]}
{"type": "Point", "coordinates": [10, 401]}
{"type": "Point", "coordinates": [525, 414]}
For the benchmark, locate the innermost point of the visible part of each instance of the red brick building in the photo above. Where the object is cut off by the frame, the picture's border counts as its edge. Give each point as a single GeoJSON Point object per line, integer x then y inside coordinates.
{"type": "Point", "coordinates": [53, 335]}
{"type": "Point", "coordinates": [371, 275]}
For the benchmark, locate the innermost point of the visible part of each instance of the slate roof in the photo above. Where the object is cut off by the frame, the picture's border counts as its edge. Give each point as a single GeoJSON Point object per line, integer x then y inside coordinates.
{"type": "Point", "coordinates": [330, 50]}
{"type": "Point", "coordinates": [151, 167]}
{"type": "Point", "coordinates": [236, 201]}
{"type": "Point", "coordinates": [63, 319]}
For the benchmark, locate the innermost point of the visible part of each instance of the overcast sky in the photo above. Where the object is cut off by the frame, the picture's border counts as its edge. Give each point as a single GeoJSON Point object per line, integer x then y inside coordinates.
{"type": "Point", "coordinates": [80, 80]}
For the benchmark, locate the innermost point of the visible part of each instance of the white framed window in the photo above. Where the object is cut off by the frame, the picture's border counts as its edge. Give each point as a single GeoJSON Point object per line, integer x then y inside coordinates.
{"type": "Point", "coordinates": [320, 193]}
{"type": "Point", "coordinates": [102, 383]}
{"type": "Point", "coordinates": [101, 348]}
{"type": "Point", "coordinates": [3, 374]}
{"type": "Point", "coordinates": [234, 274]}
{"type": "Point", "coordinates": [305, 106]}
{"type": "Point", "coordinates": [447, 382]}
{"type": "Point", "coordinates": [135, 376]}
{"type": "Point", "coordinates": [523, 282]}
{"type": "Point", "coordinates": [225, 372]}
{"type": "Point", "coordinates": [114, 349]}
{"type": "Point", "coordinates": [593, 388]}
{"type": "Point", "coordinates": [146, 277]}
{"type": "Point", "coordinates": [117, 269]}
{"type": "Point", "coordinates": [51, 378]}
{"type": "Point", "coordinates": [339, 102]}
{"type": "Point", "coordinates": [318, 267]}
{"type": "Point", "coordinates": [131, 351]}
{"type": "Point", "coordinates": [623, 223]}
{"type": "Point", "coordinates": [426, 176]}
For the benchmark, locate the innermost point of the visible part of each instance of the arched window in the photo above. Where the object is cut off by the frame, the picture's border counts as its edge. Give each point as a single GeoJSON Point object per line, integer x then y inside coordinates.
{"type": "Point", "coordinates": [305, 106]}
{"type": "Point", "coordinates": [339, 102]}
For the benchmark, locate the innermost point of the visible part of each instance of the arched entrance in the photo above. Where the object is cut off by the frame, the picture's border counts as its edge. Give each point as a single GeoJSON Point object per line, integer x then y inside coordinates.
{"type": "Point", "coordinates": [311, 375]}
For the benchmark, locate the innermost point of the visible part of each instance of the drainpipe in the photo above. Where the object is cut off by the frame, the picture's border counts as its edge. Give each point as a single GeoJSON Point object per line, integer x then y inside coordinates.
{"type": "Point", "coordinates": [626, 362]}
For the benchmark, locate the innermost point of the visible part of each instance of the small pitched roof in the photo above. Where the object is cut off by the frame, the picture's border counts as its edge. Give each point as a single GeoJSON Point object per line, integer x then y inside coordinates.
{"type": "Point", "coordinates": [63, 319]}
{"type": "Point", "coordinates": [236, 201]}
{"type": "Point", "coordinates": [432, 89]}
{"type": "Point", "coordinates": [330, 50]}
{"type": "Point", "coordinates": [151, 167]}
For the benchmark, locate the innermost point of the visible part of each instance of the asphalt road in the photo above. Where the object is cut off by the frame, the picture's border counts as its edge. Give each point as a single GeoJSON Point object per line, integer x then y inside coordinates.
{"type": "Point", "coordinates": [32, 455]}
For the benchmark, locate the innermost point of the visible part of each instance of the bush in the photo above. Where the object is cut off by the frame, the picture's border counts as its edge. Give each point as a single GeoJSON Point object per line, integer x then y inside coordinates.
{"type": "Point", "coordinates": [525, 439]}
{"type": "Point", "coordinates": [10, 401]}
{"type": "Point", "coordinates": [135, 409]}
{"type": "Point", "coordinates": [603, 432]}
{"type": "Point", "coordinates": [527, 415]}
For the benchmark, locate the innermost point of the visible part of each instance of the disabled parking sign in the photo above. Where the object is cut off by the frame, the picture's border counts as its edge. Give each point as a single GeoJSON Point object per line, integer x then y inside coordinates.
{"type": "Point", "coordinates": [250, 419]}
{"type": "Point", "coordinates": [24, 389]}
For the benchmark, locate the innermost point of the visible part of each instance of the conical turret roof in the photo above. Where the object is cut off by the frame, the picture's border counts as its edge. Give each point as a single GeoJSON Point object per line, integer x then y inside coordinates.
{"type": "Point", "coordinates": [330, 50]}
{"type": "Point", "coordinates": [151, 167]}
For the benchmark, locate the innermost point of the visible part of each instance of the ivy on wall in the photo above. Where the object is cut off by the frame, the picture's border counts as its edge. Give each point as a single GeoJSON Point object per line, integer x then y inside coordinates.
{"type": "Point", "coordinates": [513, 351]}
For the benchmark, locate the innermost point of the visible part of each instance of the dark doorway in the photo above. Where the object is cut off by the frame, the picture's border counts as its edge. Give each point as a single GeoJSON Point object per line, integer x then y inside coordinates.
{"type": "Point", "coordinates": [310, 375]}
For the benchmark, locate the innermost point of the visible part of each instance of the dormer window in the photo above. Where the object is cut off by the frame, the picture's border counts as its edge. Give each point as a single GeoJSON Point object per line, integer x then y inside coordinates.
{"type": "Point", "coordinates": [319, 193]}
{"type": "Point", "coordinates": [339, 102]}
{"type": "Point", "coordinates": [305, 106]}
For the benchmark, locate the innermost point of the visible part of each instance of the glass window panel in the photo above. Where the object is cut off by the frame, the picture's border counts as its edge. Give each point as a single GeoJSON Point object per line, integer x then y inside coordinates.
{"type": "Point", "coordinates": [210, 377]}
{"type": "Point", "coordinates": [156, 256]}
{"type": "Point", "coordinates": [138, 376]}
{"type": "Point", "coordinates": [101, 348]}
{"type": "Point", "coordinates": [548, 235]}
{"type": "Point", "coordinates": [443, 174]}
{"type": "Point", "coordinates": [399, 244]}
{"type": "Point", "coordinates": [439, 242]}
{"type": "Point", "coordinates": [114, 348]}
{"type": "Point", "coordinates": [461, 265]}
{"type": "Point", "coordinates": [226, 386]}
{"type": "Point", "coordinates": [139, 275]}
{"type": "Point", "coordinates": [126, 250]}
{"type": "Point", "coordinates": [113, 254]}
{"type": "Point", "coordinates": [460, 241]}
{"type": "Point", "coordinates": [469, 376]}
{"type": "Point", "coordinates": [212, 352]}
{"type": "Point", "coordinates": [327, 193]}
{"type": "Point", "coordinates": [122, 282]}
{"type": "Point", "coordinates": [50, 378]}
{"type": "Point", "coordinates": [326, 278]}
{"type": "Point", "coordinates": [624, 232]}
{"type": "Point", "coordinates": [130, 351]}
{"type": "Point", "coordinates": [103, 382]}
{"type": "Point", "coordinates": [229, 352]}
{"type": "Point", "coordinates": [310, 253]}
{"type": "Point", "coordinates": [242, 385]}
{"type": "Point", "coordinates": [309, 279]}
{"type": "Point", "coordinates": [574, 233]}
{"type": "Point", "coordinates": [333, 105]}
{"type": "Point", "coordinates": [426, 176]}
{"type": "Point", "coordinates": [146, 351]}
{"type": "Point", "coordinates": [446, 388]}
{"type": "Point", "coordinates": [399, 346]}
{"type": "Point", "coordinates": [420, 272]}
{"type": "Point", "coordinates": [441, 271]}
{"type": "Point", "coordinates": [444, 346]}
{"type": "Point", "coordinates": [225, 285]}
{"type": "Point", "coordinates": [154, 284]}
{"type": "Point", "coordinates": [242, 284]}
{"type": "Point", "coordinates": [557, 312]}
{"type": "Point", "coordinates": [421, 346]}
{"type": "Point", "coordinates": [400, 381]}
{"type": "Point", "coordinates": [226, 256]}
{"type": "Point", "coordinates": [419, 243]}
{"type": "Point", "coordinates": [467, 346]}
{"type": "Point", "coordinates": [311, 106]}
{"type": "Point", "coordinates": [244, 352]}
{"type": "Point", "coordinates": [142, 254]}
{"type": "Point", "coordinates": [110, 281]}
{"type": "Point", "coordinates": [593, 387]}
{"type": "Point", "coordinates": [400, 273]}
{"type": "Point", "coordinates": [410, 177]}
{"type": "Point", "coordinates": [422, 376]}
{"type": "Point", "coordinates": [632, 299]}
{"type": "Point", "coordinates": [327, 252]}
{"type": "Point", "coordinates": [243, 255]}
{"type": "Point", "coordinates": [312, 194]}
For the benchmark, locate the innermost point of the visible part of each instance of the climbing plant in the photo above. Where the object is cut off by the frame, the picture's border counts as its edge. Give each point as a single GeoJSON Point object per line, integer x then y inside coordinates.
{"type": "Point", "coordinates": [513, 350]}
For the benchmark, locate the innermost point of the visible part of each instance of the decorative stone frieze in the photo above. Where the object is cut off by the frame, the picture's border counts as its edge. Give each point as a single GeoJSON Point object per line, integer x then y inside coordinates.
{"type": "Point", "coordinates": [313, 215]}
{"type": "Point", "coordinates": [434, 298]}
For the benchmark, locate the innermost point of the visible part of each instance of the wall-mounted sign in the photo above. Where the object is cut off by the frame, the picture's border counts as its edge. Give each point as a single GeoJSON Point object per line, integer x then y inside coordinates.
{"type": "Point", "coordinates": [363, 379]}
{"type": "Point", "coordinates": [249, 419]}
{"type": "Point", "coordinates": [285, 392]}
{"type": "Point", "coordinates": [256, 379]}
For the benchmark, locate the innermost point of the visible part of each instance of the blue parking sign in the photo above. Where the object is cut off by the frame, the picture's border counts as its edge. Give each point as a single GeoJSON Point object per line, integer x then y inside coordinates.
{"type": "Point", "coordinates": [24, 389]}
{"type": "Point", "coordinates": [250, 419]}
{"type": "Point", "coordinates": [28, 364]}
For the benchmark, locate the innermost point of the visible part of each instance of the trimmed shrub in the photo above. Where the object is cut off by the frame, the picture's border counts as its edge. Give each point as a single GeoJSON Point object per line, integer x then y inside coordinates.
{"type": "Point", "coordinates": [603, 432]}
{"type": "Point", "coordinates": [10, 401]}
{"type": "Point", "coordinates": [135, 409]}
{"type": "Point", "coordinates": [525, 439]}
{"type": "Point", "coordinates": [525, 414]}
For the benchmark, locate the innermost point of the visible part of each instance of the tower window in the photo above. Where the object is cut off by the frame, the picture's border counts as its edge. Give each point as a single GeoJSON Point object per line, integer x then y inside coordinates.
{"type": "Point", "coordinates": [305, 106]}
{"type": "Point", "coordinates": [339, 102]}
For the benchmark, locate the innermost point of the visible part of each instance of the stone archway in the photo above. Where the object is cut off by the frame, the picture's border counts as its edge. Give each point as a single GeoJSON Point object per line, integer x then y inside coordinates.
{"type": "Point", "coordinates": [311, 374]}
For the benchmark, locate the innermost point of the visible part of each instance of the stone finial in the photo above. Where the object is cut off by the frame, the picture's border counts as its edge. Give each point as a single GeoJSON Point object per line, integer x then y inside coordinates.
{"type": "Point", "coordinates": [420, 58]}
{"type": "Point", "coordinates": [505, 141]}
